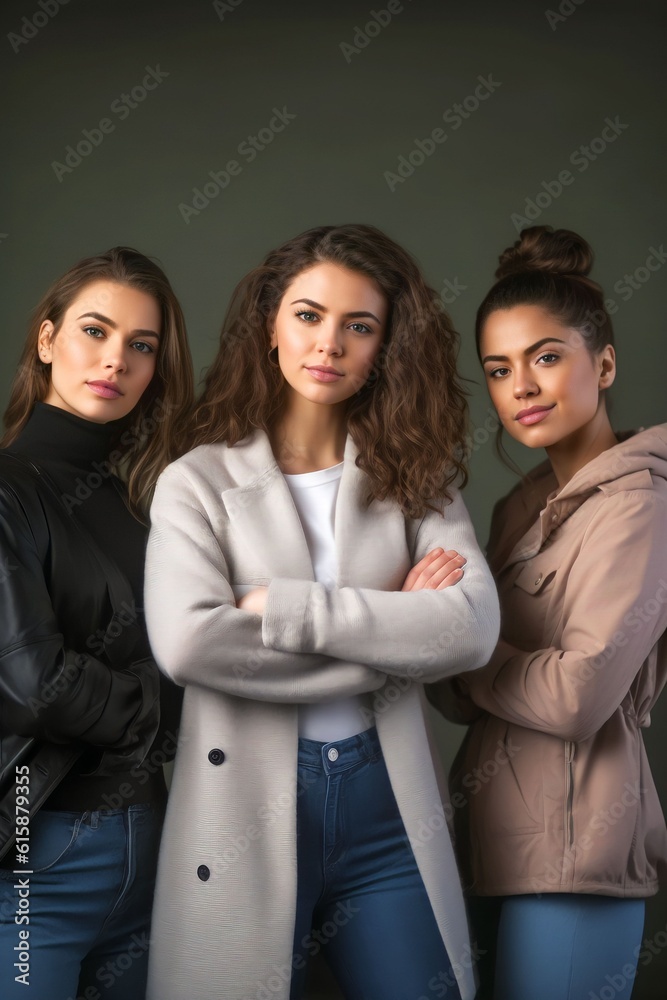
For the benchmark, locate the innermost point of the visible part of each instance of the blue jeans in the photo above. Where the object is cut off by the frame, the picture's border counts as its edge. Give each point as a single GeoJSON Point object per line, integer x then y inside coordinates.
{"type": "Point", "coordinates": [361, 899]}
{"type": "Point", "coordinates": [88, 899]}
{"type": "Point", "coordinates": [558, 946]}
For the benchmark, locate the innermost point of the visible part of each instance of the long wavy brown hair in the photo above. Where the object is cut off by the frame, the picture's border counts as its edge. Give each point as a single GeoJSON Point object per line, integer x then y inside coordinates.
{"type": "Point", "coordinates": [408, 420]}
{"type": "Point", "coordinates": [153, 434]}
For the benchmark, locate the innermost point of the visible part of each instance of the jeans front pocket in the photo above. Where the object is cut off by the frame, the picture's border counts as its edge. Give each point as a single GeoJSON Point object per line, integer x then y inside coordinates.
{"type": "Point", "coordinates": [52, 836]}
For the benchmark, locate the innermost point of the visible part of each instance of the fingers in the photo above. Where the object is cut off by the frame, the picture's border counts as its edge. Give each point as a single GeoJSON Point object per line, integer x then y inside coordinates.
{"type": "Point", "coordinates": [438, 569]}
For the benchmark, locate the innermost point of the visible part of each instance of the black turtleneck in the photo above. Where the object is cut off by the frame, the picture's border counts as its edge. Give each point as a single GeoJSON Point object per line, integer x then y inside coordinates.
{"type": "Point", "coordinates": [74, 453]}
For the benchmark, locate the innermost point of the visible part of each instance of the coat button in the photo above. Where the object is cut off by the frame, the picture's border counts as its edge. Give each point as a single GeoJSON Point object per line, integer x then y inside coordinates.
{"type": "Point", "coordinates": [203, 872]}
{"type": "Point", "coordinates": [537, 583]}
{"type": "Point", "coordinates": [216, 756]}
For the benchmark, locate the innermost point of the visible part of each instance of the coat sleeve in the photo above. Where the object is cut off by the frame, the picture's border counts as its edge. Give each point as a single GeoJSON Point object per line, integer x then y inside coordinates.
{"type": "Point", "coordinates": [49, 690]}
{"type": "Point", "coordinates": [425, 634]}
{"type": "Point", "coordinates": [197, 633]}
{"type": "Point", "coordinates": [614, 612]}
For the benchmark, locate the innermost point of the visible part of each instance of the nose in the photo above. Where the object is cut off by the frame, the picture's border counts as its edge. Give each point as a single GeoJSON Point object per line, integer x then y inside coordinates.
{"type": "Point", "coordinates": [524, 383]}
{"type": "Point", "coordinates": [329, 340]}
{"type": "Point", "coordinates": [115, 355]}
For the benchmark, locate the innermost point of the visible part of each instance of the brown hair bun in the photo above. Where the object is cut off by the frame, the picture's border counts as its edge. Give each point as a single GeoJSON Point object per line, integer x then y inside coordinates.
{"type": "Point", "coordinates": [542, 248]}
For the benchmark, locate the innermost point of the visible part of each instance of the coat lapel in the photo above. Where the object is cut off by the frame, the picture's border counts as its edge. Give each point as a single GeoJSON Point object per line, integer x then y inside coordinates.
{"type": "Point", "coordinates": [371, 543]}
{"type": "Point", "coordinates": [262, 514]}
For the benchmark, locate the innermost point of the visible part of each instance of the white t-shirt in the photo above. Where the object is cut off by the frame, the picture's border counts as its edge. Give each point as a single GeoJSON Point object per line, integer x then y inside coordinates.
{"type": "Point", "coordinates": [314, 495]}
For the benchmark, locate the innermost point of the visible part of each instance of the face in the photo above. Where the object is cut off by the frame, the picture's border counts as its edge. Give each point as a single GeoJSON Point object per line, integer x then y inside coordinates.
{"type": "Point", "coordinates": [104, 353]}
{"type": "Point", "coordinates": [328, 330]}
{"type": "Point", "coordinates": [543, 381]}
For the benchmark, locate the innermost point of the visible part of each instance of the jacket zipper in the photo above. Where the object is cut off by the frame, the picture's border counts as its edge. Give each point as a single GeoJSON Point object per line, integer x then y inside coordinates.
{"type": "Point", "coordinates": [569, 793]}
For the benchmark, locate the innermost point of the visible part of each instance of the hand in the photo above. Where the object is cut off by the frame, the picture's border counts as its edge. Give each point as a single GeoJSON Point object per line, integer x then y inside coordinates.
{"type": "Point", "coordinates": [437, 570]}
{"type": "Point", "coordinates": [254, 601]}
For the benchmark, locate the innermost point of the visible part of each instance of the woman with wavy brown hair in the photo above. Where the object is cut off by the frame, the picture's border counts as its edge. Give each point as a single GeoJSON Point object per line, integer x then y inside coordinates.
{"type": "Point", "coordinates": [86, 720]}
{"type": "Point", "coordinates": [310, 566]}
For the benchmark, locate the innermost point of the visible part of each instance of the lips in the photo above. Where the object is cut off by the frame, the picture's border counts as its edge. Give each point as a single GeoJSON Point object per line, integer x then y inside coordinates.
{"type": "Point", "coordinates": [324, 373]}
{"type": "Point", "coordinates": [108, 390]}
{"type": "Point", "coordinates": [533, 415]}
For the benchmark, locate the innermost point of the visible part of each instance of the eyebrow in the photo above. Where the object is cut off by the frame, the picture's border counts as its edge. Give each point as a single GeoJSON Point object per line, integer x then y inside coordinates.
{"type": "Point", "coordinates": [352, 315]}
{"type": "Point", "coordinates": [114, 326]}
{"type": "Point", "coordinates": [528, 350]}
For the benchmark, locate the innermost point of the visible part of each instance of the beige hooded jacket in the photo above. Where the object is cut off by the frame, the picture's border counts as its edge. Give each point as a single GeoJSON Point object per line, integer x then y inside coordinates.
{"type": "Point", "coordinates": [551, 790]}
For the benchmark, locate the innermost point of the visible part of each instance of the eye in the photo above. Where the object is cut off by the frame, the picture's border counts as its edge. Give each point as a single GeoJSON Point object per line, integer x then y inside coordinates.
{"type": "Point", "coordinates": [307, 316]}
{"type": "Point", "coordinates": [93, 331]}
{"type": "Point", "coordinates": [360, 328]}
{"type": "Point", "coordinates": [142, 347]}
{"type": "Point", "coordinates": [497, 372]}
{"type": "Point", "coordinates": [548, 358]}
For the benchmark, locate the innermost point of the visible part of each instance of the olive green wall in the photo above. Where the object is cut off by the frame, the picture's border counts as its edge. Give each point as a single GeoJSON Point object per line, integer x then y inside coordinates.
{"type": "Point", "coordinates": [441, 123]}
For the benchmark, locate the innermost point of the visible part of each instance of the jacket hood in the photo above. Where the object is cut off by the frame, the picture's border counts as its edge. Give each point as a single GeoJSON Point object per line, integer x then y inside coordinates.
{"type": "Point", "coordinates": [637, 452]}
{"type": "Point", "coordinates": [525, 518]}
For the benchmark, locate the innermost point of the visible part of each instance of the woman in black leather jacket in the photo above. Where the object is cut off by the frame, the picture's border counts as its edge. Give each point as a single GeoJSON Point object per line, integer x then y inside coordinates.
{"type": "Point", "coordinates": [86, 720]}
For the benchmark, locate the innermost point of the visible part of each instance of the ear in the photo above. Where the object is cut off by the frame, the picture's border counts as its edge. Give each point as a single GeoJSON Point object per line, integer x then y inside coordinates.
{"type": "Point", "coordinates": [607, 364]}
{"type": "Point", "coordinates": [273, 339]}
{"type": "Point", "coordinates": [45, 342]}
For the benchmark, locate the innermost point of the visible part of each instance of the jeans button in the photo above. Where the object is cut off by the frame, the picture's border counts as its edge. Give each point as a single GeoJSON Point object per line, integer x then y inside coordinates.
{"type": "Point", "coordinates": [332, 753]}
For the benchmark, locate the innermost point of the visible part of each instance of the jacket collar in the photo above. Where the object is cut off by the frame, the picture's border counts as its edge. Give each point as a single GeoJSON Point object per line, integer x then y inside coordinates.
{"type": "Point", "coordinates": [630, 464]}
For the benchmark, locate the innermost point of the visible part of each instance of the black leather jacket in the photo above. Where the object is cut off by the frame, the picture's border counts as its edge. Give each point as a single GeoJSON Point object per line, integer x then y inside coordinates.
{"type": "Point", "coordinates": [73, 669]}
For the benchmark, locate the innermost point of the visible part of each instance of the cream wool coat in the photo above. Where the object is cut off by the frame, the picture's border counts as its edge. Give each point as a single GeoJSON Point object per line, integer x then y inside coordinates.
{"type": "Point", "coordinates": [225, 901]}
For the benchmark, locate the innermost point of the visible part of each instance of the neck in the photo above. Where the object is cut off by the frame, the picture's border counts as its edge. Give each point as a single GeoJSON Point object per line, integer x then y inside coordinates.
{"type": "Point", "coordinates": [309, 436]}
{"type": "Point", "coordinates": [575, 451]}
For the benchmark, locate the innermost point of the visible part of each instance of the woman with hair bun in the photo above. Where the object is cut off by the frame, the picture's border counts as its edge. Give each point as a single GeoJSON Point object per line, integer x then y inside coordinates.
{"type": "Point", "coordinates": [310, 566]}
{"type": "Point", "coordinates": [565, 830]}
